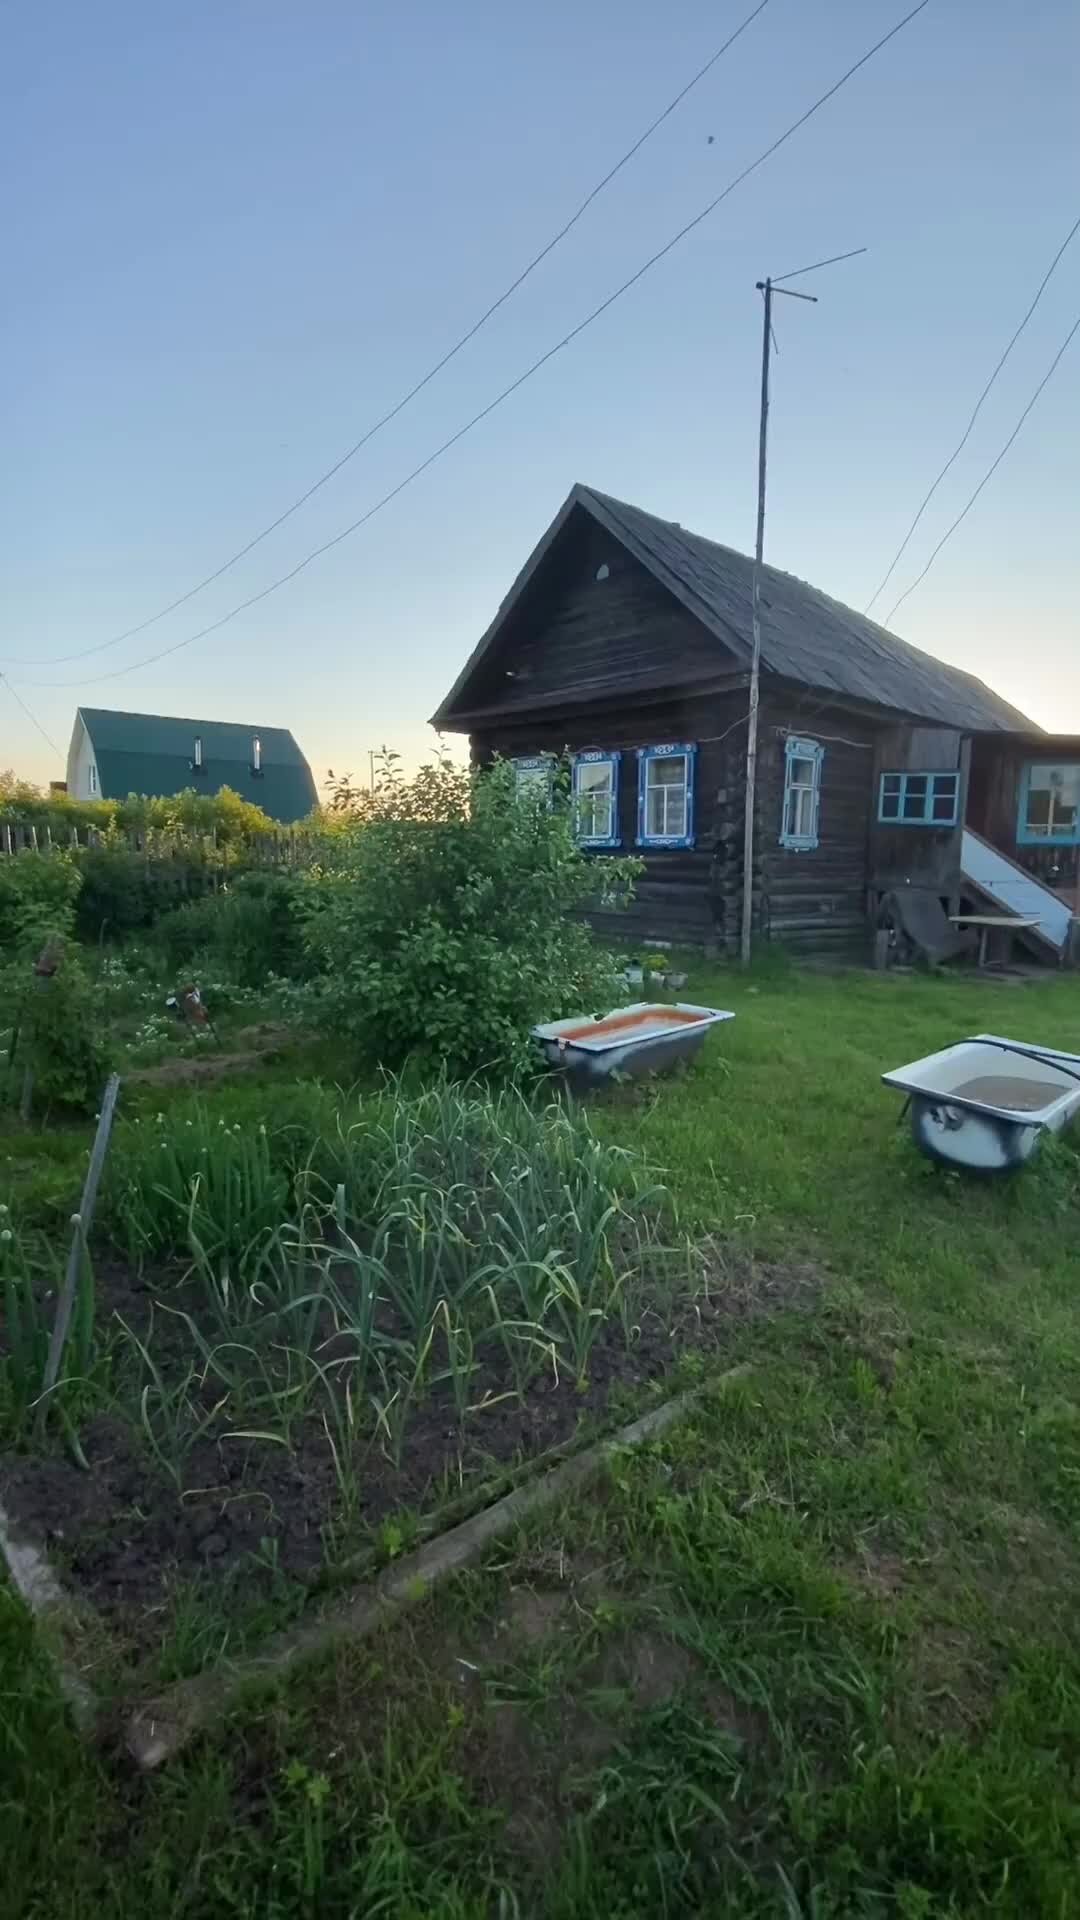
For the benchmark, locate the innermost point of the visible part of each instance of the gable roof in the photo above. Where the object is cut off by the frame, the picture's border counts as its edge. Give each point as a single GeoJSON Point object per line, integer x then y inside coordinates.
{"type": "Point", "coordinates": [805, 635]}
{"type": "Point", "coordinates": [151, 753]}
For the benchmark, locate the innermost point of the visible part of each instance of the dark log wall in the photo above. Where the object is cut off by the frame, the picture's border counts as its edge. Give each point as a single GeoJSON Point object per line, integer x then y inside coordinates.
{"type": "Point", "coordinates": [918, 856]}
{"type": "Point", "coordinates": [684, 893]}
{"type": "Point", "coordinates": [814, 900]}
{"type": "Point", "coordinates": [578, 637]}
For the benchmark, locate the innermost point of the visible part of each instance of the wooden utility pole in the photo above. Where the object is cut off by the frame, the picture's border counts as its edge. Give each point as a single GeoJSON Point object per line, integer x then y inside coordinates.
{"type": "Point", "coordinates": [755, 618]}
{"type": "Point", "coordinates": [767, 288]}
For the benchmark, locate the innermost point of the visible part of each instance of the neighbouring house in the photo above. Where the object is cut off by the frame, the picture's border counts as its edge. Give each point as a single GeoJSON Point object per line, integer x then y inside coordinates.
{"type": "Point", "coordinates": [113, 754]}
{"type": "Point", "coordinates": [624, 647]}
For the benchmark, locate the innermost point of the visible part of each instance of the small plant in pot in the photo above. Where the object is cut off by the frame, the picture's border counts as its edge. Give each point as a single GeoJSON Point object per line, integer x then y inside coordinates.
{"type": "Point", "coordinates": [634, 971]}
{"type": "Point", "coordinates": [657, 974]}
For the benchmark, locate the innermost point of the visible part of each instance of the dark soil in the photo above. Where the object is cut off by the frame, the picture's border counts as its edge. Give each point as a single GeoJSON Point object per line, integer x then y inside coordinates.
{"type": "Point", "coordinates": [251, 1529]}
{"type": "Point", "coordinates": [262, 1044]}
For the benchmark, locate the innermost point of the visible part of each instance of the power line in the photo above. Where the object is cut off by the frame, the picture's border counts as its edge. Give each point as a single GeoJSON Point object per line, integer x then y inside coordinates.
{"type": "Point", "coordinates": [49, 742]}
{"type": "Point", "coordinates": [661, 252]}
{"type": "Point", "coordinates": [992, 469]}
{"type": "Point", "coordinates": [399, 406]}
{"type": "Point", "coordinates": [961, 444]}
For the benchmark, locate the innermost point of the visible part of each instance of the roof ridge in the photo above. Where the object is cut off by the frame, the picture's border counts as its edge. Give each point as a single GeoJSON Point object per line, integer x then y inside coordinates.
{"type": "Point", "coordinates": [886, 634]}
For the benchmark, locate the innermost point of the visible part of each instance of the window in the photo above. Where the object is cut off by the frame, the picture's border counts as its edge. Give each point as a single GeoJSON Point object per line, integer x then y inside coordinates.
{"type": "Point", "coordinates": [919, 799]}
{"type": "Point", "coordinates": [802, 795]}
{"type": "Point", "coordinates": [666, 796]}
{"type": "Point", "coordinates": [1050, 805]}
{"type": "Point", "coordinates": [596, 799]}
{"type": "Point", "coordinates": [533, 774]}
{"type": "Point", "coordinates": [196, 758]}
{"type": "Point", "coordinates": [256, 755]}
{"type": "Point", "coordinates": [93, 776]}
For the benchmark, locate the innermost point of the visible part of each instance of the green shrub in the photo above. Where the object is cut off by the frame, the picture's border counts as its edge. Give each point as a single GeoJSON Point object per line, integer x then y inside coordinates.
{"type": "Point", "coordinates": [246, 931]}
{"type": "Point", "coordinates": [188, 930]}
{"type": "Point", "coordinates": [124, 892]}
{"type": "Point", "coordinates": [38, 894]}
{"type": "Point", "coordinates": [446, 937]}
{"type": "Point", "coordinates": [258, 930]}
{"type": "Point", "coordinates": [60, 1037]}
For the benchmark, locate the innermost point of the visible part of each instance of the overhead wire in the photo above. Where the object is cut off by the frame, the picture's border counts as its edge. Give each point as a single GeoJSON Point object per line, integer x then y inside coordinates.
{"type": "Point", "coordinates": [661, 252]}
{"type": "Point", "coordinates": [990, 471]}
{"type": "Point", "coordinates": [399, 406]}
{"type": "Point", "coordinates": [962, 442]}
{"type": "Point", "coordinates": [34, 721]}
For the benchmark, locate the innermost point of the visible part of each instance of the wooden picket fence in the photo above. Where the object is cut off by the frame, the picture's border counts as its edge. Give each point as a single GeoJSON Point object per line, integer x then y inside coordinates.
{"type": "Point", "coordinates": [289, 848]}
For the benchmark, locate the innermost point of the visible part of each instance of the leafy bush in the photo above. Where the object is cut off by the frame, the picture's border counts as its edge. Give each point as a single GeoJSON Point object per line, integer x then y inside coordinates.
{"type": "Point", "coordinates": [187, 930]}
{"type": "Point", "coordinates": [445, 937]}
{"type": "Point", "coordinates": [38, 894]}
{"type": "Point", "coordinates": [230, 819]}
{"type": "Point", "coordinates": [60, 1038]}
{"type": "Point", "coordinates": [246, 931]}
{"type": "Point", "coordinates": [259, 929]}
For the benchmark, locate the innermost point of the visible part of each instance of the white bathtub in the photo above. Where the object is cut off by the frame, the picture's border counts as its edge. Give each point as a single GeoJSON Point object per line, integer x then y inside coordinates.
{"type": "Point", "coordinates": [641, 1038]}
{"type": "Point", "coordinates": [984, 1103]}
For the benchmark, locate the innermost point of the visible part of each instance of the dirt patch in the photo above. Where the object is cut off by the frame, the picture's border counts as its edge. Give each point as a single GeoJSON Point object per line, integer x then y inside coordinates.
{"type": "Point", "coordinates": [877, 1572]}
{"type": "Point", "coordinates": [203, 1070]}
{"type": "Point", "coordinates": [531, 1616]}
{"type": "Point", "coordinates": [644, 1667]}
{"type": "Point", "coordinates": [248, 1527]}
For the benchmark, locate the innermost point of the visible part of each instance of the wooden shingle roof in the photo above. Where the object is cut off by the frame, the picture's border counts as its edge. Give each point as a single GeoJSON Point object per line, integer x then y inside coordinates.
{"type": "Point", "coordinates": [805, 635]}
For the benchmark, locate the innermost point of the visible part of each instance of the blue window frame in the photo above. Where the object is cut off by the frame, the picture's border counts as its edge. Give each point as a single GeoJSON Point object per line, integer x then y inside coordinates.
{"type": "Point", "coordinates": [596, 799]}
{"type": "Point", "coordinates": [534, 773]}
{"type": "Point", "coordinates": [801, 812]}
{"type": "Point", "coordinates": [919, 799]}
{"type": "Point", "coordinates": [1049, 804]}
{"type": "Point", "coordinates": [666, 795]}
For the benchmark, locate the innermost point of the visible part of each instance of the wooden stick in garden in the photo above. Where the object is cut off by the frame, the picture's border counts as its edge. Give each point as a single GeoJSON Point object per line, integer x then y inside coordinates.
{"type": "Point", "coordinates": [80, 1236]}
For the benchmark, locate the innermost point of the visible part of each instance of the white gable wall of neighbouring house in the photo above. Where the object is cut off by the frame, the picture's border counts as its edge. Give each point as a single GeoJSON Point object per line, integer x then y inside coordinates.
{"type": "Point", "coordinates": [82, 772]}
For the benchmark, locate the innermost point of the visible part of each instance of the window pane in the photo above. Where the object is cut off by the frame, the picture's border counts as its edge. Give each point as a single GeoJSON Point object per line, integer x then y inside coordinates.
{"type": "Point", "coordinates": [1065, 799]}
{"type": "Point", "coordinates": [669, 772]}
{"type": "Point", "coordinates": [1038, 810]}
{"type": "Point", "coordinates": [915, 799]}
{"type": "Point", "coordinates": [891, 783]}
{"type": "Point", "coordinates": [530, 779]}
{"type": "Point", "coordinates": [665, 797]}
{"type": "Point", "coordinates": [594, 775]}
{"type": "Point", "coordinates": [800, 773]}
{"type": "Point", "coordinates": [594, 784]}
{"type": "Point", "coordinates": [890, 805]}
{"type": "Point", "coordinates": [1053, 801]}
{"type": "Point", "coordinates": [594, 816]}
{"type": "Point", "coordinates": [944, 786]}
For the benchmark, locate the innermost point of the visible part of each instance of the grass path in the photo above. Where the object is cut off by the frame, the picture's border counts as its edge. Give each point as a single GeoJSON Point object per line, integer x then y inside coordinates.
{"type": "Point", "coordinates": [818, 1654]}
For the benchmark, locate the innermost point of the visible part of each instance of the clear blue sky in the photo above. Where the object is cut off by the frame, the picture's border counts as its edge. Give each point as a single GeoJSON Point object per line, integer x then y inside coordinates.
{"type": "Point", "coordinates": [234, 234]}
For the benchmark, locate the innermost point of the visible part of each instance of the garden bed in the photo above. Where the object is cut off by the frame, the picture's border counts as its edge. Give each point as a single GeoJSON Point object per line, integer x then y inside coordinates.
{"type": "Point", "coordinates": [318, 1348]}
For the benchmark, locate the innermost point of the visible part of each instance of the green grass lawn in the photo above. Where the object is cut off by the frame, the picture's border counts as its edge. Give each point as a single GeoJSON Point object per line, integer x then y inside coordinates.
{"type": "Point", "coordinates": [817, 1654]}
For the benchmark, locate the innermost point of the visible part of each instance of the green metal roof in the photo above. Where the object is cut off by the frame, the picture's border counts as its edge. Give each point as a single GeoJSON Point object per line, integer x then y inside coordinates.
{"type": "Point", "coordinates": [152, 753]}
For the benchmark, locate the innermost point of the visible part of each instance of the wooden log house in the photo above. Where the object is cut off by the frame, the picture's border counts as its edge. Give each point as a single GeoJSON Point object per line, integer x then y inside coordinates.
{"type": "Point", "coordinates": [624, 647]}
